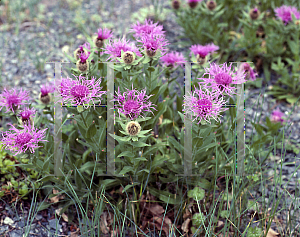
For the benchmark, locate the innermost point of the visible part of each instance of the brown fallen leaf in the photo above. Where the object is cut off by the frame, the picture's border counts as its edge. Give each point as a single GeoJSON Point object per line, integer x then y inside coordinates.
{"type": "Point", "coordinates": [272, 233]}
{"type": "Point", "coordinates": [64, 216]}
{"type": "Point", "coordinates": [103, 223]}
{"type": "Point", "coordinates": [156, 210]}
{"type": "Point", "coordinates": [185, 225]}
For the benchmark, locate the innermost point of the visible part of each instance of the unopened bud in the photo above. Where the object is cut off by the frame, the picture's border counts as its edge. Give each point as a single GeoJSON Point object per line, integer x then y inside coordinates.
{"type": "Point", "coordinates": [128, 57]}
{"type": "Point", "coordinates": [99, 42]}
{"type": "Point", "coordinates": [176, 4]}
{"type": "Point", "coordinates": [254, 13]}
{"type": "Point", "coordinates": [45, 99]}
{"type": "Point", "coordinates": [193, 3]}
{"type": "Point", "coordinates": [151, 53]}
{"type": "Point", "coordinates": [78, 52]}
{"type": "Point", "coordinates": [211, 5]}
{"type": "Point", "coordinates": [201, 60]}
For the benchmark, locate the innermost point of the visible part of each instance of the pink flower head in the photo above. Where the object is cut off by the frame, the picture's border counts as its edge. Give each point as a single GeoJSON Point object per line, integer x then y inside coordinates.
{"type": "Point", "coordinates": [203, 50]}
{"type": "Point", "coordinates": [86, 45]}
{"type": "Point", "coordinates": [285, 13]}
{"type": "Point", "coordinates": [147, 28]}
{"type": "Point", "coordinates": [80, 91]}
{"type": "Point", "coordinates": [173, 58]}
{"type": "Point", "coordinates": [277, 116]}
{"type": "Point", "coordinates": [250, 73]}
{"type": "Point", "coordinates": [11, 99]}
{"type": "Point", "coordinates": [20, 140]}
{"type": "Point", "coordinates": [132, 103]}
{"type": "Point", "coordinates": [26, 113]}
{"type": "Point", "coordinates": [104, 34]}
{"type": "Point", "coordinates": [204, 104]}
{"type": "Point", "coordinates": [222, 77]}
{"type": "Point", "coordinates": [194, 1]}
{"type": "Point", "coordinates": [46, 89]}
{"type": "Point", "coordinates": [83, 57]}
{"type": "Point", "coordinates": [115, 48]}
{"type": "Point", "coordinates": [152, 42]}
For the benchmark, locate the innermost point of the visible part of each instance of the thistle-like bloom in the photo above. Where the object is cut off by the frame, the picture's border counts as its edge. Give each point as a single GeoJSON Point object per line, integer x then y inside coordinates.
{"type": "Point", "coordinates": [47, 88]}
{"type": "Point", "coordinates": [132, 103]}
{"type": "Point", "coordinates": [203, 50]}
{"type": "Point", "coordinates": [81, 50]}
{"type": "Point", "coordinates": [19, 141]}
{"type": "Point", "coordinates": [285, 13]}
{"type": "Point", "coordinates": [102, 35]}
{"type": "Point", "coordinates": [172, 59]}
{"type": "Point", "coordinates": [204, 104]}
{"type": "Point", "coordinates": [115, 48]}
{"type": "Point", "coordinates": [221, 77]}
{"type": "Point", "coordinates": [80, 91]}
{"type": "Point", "coordinates": [250, 73]}
{"type": "Point", "coordinates": [277, 116]}
{"type": "Point", "coordinates": [152, 43]}
{"type": "Point", "coordinates": [12, 99]}
{"type": "Point", "coordinates": [82, 64]}
{"type": "Point", "coordinates": [147, 28]}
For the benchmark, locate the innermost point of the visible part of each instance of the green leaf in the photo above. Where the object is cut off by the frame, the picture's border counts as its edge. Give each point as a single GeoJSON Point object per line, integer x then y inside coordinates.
{"type": "Point", "coordinates": [126, 153]}
{"type": "Point", "coordinates": [151, 69]}
{"type": "Point", "coordinates": [126, 169]}
{"type": "Point", "coordinates": [140, 144]}
{"type": "Point", "coordinates": [91, 132]}
{"type": "Point", "coordinates": [197, 193]}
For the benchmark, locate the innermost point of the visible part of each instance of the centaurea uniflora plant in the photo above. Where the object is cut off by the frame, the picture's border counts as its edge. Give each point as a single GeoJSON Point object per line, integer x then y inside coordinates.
{"type": "Point", "coordinates": [199, 52]}
{"type": "Point", "coordinates": [26, 115]}
{"type": "Point", "coordinates": [204, 104]}
{"type": "Point", "coordinates": [133, 103]}
{"type": "Point", "coordinates": [102, 35]}
{"type": "Point", "coordinates": [45, 96]}
{"type": "Point", "coordinates": [222, 77]}
{"type": "Point", "coordinates": [153, 45]}
{"type": "Point", "coordinates": [285, 13]}
{"type": "Point", "coordinates": [194, 3]}
{"type": "Point", "coordinates": [20, 140]}
{"type": "Point", "coordinates": [12, 99]}
{"type": "Point", "coordinates": [80, 91]}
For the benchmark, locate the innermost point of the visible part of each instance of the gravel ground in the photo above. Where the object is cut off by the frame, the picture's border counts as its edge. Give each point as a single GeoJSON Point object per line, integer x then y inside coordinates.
{"type": "Point", "coordinates": [18, 70]}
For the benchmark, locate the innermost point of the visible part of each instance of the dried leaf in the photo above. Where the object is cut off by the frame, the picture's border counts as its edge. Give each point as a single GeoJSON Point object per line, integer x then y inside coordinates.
{"type": "Point", "coordinates": [185, 225]}
{"type": "Point", "coordinates": [64, 216]}
{"type": "Point", "coordinates": [156, 210]}
{"type": "Point", "coordinates": [272, 233]}
{"type": "Point", "coordinates": [103, 223]}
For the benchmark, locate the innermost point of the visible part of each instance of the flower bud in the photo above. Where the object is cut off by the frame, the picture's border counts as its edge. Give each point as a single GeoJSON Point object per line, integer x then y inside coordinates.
{"type": "Point", "coordinates": [176, 4]}
{"type": "Point", "coordinates": [260, 32]}
{"type": "Point", "coordinates": [254, 13]}
{"type": "Point", "coordinates": [150, 53]}
{"type": "Point", "coordinates": [211, 5]}
{"type": "Point", "coordinates": [99, 42]}
{"type": "Point", "coordinates": [193, 4]}
{"type": "Point", "coordinates": [78, 52]}
{"type": "Point", "coordinates": [128, 57]}
{"type": "Point", "coordinates": [82, 66]}
{"type": "Point", "coordinates": [201, 60]}
{"type": "Point", "coordinates": [133, 128]}
{"type": "Point", "coordinates": [45, 99]}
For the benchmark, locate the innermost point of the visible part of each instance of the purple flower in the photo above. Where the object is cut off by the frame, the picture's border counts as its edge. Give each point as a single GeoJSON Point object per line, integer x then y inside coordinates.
{"type": "Point", "coordinates": [114, 48]}
{"type": "Point", "coordinates": [277, 116]}
{"type": "Point", "coordinates": [46, 89]}
{"type": "Point", "coordinates": [132, 103]}
{"type": "Point", "coordinates": [21, 140]}
{"type": "Point", "coordinates": [147, 28]}
{"type": "Point", "coordinates": [285, 13]}
{"type": "Point", "coordinates": [80, 91]}
{"type": "Point", "coordinates": [203, 50]}
{"type": "Point", "coordinates": [11, 99]}
{"type": "Point", "coordinates": [83, 57]}
{"type": "Point", "coordinates": [104, 34]}
{"type": "Point", "coordinates": [194, 1]}
{"type": "Point", "coordinates": [222, 77]}
{"type": "Point", "coordinates": [26, 113]}
{"type": "Point", "coordinates": [250, 73]}
{"type": "Point", "coordinates": [173, 58]}
{"type": "Point", "coordinates": [152, 43]}
{"type": "Point", "coordinates": [204, 104]}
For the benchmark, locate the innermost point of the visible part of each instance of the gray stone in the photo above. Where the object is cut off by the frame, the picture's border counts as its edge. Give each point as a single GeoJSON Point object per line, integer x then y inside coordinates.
{"type": "Point", "coordinates": [38, 217]}
{"type": "Point", "coordinates": [52, 224]}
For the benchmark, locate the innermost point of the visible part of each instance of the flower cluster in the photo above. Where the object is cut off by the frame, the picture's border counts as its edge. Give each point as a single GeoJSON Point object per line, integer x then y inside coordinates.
{"type": "Point", "coordinates": [19, 141]}
{"type": "Point", "coordinates": [285, 13]}
{"type": "Point", "coordinates": [80, 91]}
{"type": "Point", "coordinates": [132, 103]}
